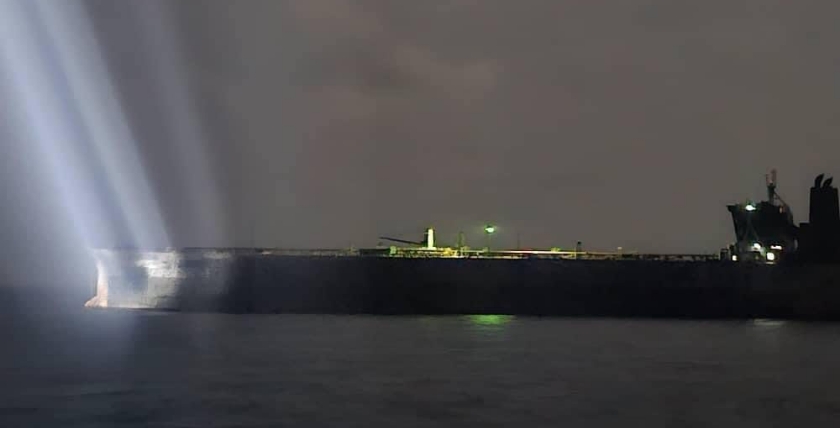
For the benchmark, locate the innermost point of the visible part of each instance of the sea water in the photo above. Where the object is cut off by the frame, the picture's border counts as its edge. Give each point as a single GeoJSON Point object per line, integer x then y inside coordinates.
{"type": "Point", "coordinates": [130, 369]}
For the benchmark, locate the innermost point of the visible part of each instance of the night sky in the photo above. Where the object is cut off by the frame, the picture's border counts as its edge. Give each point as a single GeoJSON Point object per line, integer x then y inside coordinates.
{"type": "Point", "coordinates": [328, 123]}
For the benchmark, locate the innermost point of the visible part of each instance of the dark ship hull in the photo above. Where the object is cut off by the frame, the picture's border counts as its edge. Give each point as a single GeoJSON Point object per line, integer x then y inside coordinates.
{"type": "Point", "coordinates": [773, 270]}
{"type": "Point", "coordinates": [261, 282]}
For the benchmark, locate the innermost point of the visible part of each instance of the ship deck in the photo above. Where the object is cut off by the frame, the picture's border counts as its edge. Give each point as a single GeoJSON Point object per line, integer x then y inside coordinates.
{"type": "Point", "coordinates": [452, 253]}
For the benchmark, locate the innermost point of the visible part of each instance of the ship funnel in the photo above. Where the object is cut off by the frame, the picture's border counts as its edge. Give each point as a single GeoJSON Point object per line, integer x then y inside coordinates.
{"type": "Point", "coordinates": [824, 204]}
{"type": "Point", "coordinates": [818, 181]}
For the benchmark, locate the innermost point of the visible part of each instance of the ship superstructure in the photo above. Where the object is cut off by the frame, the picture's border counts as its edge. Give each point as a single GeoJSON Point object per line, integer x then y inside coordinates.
{"type": "Point", "coordinates": [765, 231]}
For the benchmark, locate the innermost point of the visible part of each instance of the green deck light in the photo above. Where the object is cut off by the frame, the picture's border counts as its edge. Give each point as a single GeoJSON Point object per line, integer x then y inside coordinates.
{"type": "Point", "coordinates": [489, 229]}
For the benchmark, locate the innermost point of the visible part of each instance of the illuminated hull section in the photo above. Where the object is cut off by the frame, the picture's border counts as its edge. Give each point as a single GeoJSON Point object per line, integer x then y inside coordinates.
{"type": "Point", "coordinates": [253, 281]}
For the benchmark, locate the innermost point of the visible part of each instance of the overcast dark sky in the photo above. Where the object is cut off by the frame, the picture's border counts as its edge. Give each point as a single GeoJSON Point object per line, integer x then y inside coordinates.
{"type": "Point", "coordinates": [330, 122]}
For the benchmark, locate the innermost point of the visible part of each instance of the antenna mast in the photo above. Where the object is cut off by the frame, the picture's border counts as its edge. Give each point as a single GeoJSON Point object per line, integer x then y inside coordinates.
{"type": "Point", "coordinates": [771, 187]}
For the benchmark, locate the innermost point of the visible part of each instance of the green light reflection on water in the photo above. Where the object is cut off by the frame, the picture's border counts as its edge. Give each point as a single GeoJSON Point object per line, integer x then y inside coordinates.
{"type": "Point", "coordinates": [490, 320]}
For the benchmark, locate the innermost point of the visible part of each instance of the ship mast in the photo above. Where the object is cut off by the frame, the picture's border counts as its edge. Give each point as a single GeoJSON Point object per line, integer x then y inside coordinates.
{"type": "Point", "coordinates": [772, 197]}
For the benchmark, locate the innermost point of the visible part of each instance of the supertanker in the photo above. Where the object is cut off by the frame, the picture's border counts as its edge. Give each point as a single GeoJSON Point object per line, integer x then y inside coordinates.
{"type": "Point", "coordinates": [774, 269]}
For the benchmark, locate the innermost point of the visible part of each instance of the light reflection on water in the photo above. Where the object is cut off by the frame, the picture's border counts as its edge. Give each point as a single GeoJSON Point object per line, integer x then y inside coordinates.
{"type": "Point", "coordinates": [489, 320]}
{"type": "Point", "coordinates": [766, 322]}
{"type": "Point", "coordinates": [475, 370]}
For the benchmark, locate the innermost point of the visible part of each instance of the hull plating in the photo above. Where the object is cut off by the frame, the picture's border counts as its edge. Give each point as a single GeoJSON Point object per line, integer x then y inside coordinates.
{"type": "Point", "coordinates": [246, 281]}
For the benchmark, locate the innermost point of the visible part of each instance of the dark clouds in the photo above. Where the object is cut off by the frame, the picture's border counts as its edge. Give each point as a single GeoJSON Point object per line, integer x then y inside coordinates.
{"type": "Point", "coordinates": [627, 124]}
